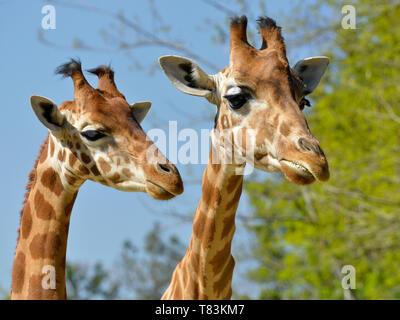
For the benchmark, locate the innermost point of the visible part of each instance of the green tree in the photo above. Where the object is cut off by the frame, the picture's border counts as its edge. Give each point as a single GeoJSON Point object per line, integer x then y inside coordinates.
{"type": "Point", "coordinates": [90, 282]}
{"type": "Point", "coordinates": [148, 275]}
{"type": "Point", "coordinates": [305, 235]}
{"type": "Point", "coordinates": [134, 275]}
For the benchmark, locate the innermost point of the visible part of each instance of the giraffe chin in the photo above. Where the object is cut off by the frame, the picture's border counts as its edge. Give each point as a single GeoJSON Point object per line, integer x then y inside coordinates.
{"type": "Point", "coordinates": [296, 173]}
{"type": "Point", "coordinates": [157, 192]}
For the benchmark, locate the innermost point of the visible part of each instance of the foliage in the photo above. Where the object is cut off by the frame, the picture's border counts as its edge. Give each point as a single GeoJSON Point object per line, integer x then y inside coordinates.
{"type": "Point", "coordinates": [150, 274]}
{"type": "Point", "coordinates": [304, 235]}
{"type": "Point", "coordinates": [90, 282]}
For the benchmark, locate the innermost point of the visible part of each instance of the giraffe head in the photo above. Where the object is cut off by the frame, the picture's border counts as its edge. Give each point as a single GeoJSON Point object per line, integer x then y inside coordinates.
{"type": "Point", "coordinates": [260, 96]}
{"type": "Point", "coordinates": [98, 137]}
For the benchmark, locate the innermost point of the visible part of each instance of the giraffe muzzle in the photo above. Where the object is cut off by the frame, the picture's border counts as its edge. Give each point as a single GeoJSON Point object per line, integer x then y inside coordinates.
{"type": "Point", "coordinates": [302, 161]}
{"type": "Point", "coordinates": [164, 181]}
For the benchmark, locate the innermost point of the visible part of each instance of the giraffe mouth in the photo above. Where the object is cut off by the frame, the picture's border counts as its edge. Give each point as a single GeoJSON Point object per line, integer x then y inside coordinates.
{"type": "Point", "coordinates": [300, 169]}
{"type": "Point", "coordinates": [158, 192]}
{"type": "Point", "coordinates": [296, 172]}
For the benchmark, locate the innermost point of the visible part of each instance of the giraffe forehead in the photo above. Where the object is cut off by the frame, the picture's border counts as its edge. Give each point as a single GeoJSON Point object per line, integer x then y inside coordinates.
{"type": "Point", "coordinates": [251, 61]}
{"type": "Point", "coordinates": [112, 113]}
{"type": "Point", "coordinates": [264, 71]}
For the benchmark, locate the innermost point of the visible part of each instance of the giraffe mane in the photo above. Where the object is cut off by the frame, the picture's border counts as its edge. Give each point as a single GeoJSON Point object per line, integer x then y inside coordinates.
{"type": "Point", "coordinates": [32, 177]}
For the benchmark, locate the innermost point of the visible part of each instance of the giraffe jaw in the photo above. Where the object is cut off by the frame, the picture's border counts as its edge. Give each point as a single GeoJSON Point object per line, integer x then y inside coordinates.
{"type": "Point", "coordinates": [297, 167]}
{"type": "Point", "coordinates": [296, 172]}
{"type": "Point", "coordinates": [130, 186]}
{"type": "Point", "coordinates": [157, 192]}
{"type": "Point", "coordinates": [154, 190]}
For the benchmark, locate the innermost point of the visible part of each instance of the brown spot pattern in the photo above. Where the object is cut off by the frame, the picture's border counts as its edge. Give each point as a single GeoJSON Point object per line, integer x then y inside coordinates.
{"type": "Point", "coordinates": [83, 170]}
{"type": "Point", "coordinates": [127, 172]}
{"type": "Point", "coordinates": [45, 245]}
{"type": "Point", "coordinates": [233, 183]}
{"type": "Point", "coordinates": [105, 167]}
{"type": "Point", "coordinates": [229, 224]}
{"type": "Point", "coordinates": [220, 258]}
{"type": "Point", "coordinates": [70, 179]}
{"type": "Point", "coordinates": [284, 129]}
{"type": "Point", "coordinates": [204, 228]}
{"type": "Point", "coordinates": [72, 159]}
{"type": "Point", "coordinates": [35, 290]}
{"type": "Point", "coordinates": [44, 210]}
{"type": "Point", "coordinates": [225, 279]}
{"type": "Point", "coordinates": [51, 180]}
{"type": "Point", "coordinates": [52, 148]}
{"type": "Point", "coordinates": [95, 170]}
{"type": "Point", "coordinates": [44, 152]}
{"type": "Point", "coordinates": [61, 155]}
{"type": "Point", "coordinates": [235, 200]}
{"type": "Point", "coordinates": [85, 158]}
{"type": "Point", "coordinates": [210, 194]}
{"type": "Point", "coordinates": [115, 178]}
{"type": "Point", "coordinates": [26, 222]}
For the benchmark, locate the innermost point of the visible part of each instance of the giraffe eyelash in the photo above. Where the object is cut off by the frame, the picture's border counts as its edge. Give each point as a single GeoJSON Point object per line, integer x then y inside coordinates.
{"type": "Point", "coordinates": [93, 135]}
{"type": "Point", "coordinates": [236, 101]}
{"type": "Point", "coordinates": [304, 102]}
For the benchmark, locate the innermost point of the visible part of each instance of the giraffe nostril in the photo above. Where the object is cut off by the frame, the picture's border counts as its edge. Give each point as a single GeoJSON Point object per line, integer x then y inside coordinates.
{"type": "Point", "coordinates": [164, 168]}
{"type": "Point", "coordinates": [306, 145]}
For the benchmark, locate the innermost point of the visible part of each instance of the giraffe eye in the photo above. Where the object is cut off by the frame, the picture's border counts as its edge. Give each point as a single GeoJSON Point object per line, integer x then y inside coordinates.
{"type": "Point", "coordinates": [236, 101]}
{"type": "Point", "coordinates": [93, 135]}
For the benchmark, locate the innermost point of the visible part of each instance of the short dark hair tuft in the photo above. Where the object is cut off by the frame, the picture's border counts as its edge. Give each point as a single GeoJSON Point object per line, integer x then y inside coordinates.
{"type": "Point", "coordinates": [101, 70]}
{"type": "Point", "coordinates": [69, 68]}
{"type": "Point", "coordinates": [266, 22]}
{"type": "Point", "coordinates": [238, 20]}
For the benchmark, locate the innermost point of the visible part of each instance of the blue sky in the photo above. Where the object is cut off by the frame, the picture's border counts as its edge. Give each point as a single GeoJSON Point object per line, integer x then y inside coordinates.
{"type": "Point", "coordinates": [102, 217]}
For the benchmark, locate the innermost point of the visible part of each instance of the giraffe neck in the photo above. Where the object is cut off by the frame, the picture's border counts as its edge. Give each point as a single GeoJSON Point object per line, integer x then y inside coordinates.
{"type": "Point", "coordinates": [42, 242]}
{"type": "Point", "coordinates": [205, 272]}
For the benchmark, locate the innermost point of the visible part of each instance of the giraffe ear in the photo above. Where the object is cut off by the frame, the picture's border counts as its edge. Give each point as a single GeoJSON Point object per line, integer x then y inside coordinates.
{"type": "Point", "coordinates": [311, 70]}
{"type": "Point", "coordinates": [140, 110]}
{"type": "Point", "coordinates": [187, 76]}
{"type": "Point", "coordinates": [48, 113]}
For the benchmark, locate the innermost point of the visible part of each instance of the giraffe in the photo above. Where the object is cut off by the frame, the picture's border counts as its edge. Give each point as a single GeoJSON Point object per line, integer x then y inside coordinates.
{"type": "Point", "coordinates": [260, 94]}
{"type": "Point", "coordinates": [97, 137]}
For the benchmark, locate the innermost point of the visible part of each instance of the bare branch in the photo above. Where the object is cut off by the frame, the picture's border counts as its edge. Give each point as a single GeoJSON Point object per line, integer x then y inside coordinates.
{"type": "Point", "coordinates": [151, 37]}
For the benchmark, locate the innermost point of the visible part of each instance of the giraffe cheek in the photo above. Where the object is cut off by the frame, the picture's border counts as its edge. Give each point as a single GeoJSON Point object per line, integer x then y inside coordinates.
{"type": "Point", "coordinates": [104, 166]}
